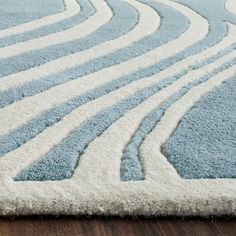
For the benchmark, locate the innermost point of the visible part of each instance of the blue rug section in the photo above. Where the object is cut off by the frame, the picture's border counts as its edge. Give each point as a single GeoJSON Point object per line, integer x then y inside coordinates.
{"type": "Point", "coordinates": [18, 137]}
{"type": "Point", "coordinates": [131, 168]}
{"type": "Point", "coordinates": [50, 117]}
{"type": "Point", "coordinates": [61, 161]}
{"type": "Point", "coordinates": [204, 143]}
{"type": "Point", "coordinates": [15, 12]}
{"type": "Point", "coordinates": [58, 159]}
{"type": "Point", "coordinates": [125, 17]}
{"type": "Point", "coordinates": [86, 11]}
{"type": "Point", "coordinates": [167, 32]}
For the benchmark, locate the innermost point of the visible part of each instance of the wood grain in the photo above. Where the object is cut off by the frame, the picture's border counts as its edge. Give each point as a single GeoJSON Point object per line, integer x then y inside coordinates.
{"type": "Point", "coordinates": [69, 226]}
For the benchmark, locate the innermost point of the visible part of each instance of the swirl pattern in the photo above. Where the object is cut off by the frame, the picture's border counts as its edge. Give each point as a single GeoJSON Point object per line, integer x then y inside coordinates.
{"type": "Point", "coordinates": [113, 107]}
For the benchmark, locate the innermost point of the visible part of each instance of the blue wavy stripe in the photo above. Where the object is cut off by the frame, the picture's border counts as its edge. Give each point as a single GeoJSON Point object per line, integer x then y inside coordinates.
{"type": "Point", "coordinates": [86, 11]}
{"type": "Point", "coordinates": [124, 19]}
{"type": "Point", "coordinates": [31, 129]}
{"type": "Point", "coordinates": [218, 30]}
{"type": "Point", "coordinates": [14, 12]}
{"type": "Point", "coordinates": [209, 40]}
{"type": "Point", "coordinates": [216, 8]}
{"type": "Point", "coordinates": [168, 31]}
{"type": "Point", "coordinates": [61, 161]}
{"type": "Point", "coordinates": [23, 134]}
{"type": "Point", "coordinates": [131, 167]}
{"type": "Point", "coordinates": [203, 144]}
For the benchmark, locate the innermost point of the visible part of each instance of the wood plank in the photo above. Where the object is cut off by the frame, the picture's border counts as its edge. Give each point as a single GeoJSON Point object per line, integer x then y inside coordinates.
{"type": "Point", "coordinates": [44, 226]}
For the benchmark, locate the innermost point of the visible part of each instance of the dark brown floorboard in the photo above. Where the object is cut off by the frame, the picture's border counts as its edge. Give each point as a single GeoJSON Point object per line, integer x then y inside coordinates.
{"type": "Point", "coordinates": [69, 226]}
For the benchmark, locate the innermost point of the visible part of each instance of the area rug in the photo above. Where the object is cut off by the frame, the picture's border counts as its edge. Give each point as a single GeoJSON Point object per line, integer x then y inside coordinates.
{"type": "Point", "coordinates": [118, 107]}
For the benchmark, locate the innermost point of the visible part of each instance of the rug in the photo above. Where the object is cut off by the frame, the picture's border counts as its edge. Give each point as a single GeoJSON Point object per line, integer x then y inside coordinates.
{"type": "Point", "coordinates": [118, 107]}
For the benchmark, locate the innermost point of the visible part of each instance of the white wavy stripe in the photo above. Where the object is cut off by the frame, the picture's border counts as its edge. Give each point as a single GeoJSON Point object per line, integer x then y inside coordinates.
{"type": "Point", "coordinates": [142, 29]}
{"type": "Point", "coordinates": [71, 8]}
{"type": "Point", "coordinates": [32, 106]}
{"type": "Point", "coordinates": [107, 149]}
{"type": "Point", "coordinates": [30, 152]}
{"type": "Point", "coordinates": [103, 14]}
{"type": "Point", "coordinates": [150, 152]}
{"type": "Point", "coordinates": [35, 148]}
{"type": "Point", "coordinates": [186, 39]}
{"type": "Point", "coordinates": [231, 6]}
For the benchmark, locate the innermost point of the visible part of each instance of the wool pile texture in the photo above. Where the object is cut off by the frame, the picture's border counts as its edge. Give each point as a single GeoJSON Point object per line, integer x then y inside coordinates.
{"type": "Point", "coordinates": [118, 107]}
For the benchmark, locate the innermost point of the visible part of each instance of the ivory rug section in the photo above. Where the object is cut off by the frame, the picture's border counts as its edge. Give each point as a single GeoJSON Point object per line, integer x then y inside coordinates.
{"type": "Point", "coordinates": [118, 107]}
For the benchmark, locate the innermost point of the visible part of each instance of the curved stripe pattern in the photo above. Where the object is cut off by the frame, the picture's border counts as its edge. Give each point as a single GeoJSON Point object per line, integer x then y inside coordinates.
{"type": "Point", "coordinates": [209, 137]}
{"type": "Point", "coordinates": [15, 12]}
{"type": "Point", "coordinates": [76, 12]}
{"type": "Point", "coordinates": [71, 6]}
{"type": "Point", "coordinates": [139, 31]}
{"type": "Point", "coordinates": [130, 167]}
{"type": "Point", "coordinates": [101, 16]}
{"type": "Point", "coordinates": [95, 65]}
{"type": "Point", "coordinates": [115, 56]}
{"type": "Point", "coordinates": [54, 115]}
{"type": "Point", "coordinates": [111, 30]}
{"type": "Point", "coordinates": [65, 156]}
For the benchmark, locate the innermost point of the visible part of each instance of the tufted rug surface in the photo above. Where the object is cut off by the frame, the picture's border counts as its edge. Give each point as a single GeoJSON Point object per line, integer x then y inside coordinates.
{"type": "Point", "coordinates": [118, 107]}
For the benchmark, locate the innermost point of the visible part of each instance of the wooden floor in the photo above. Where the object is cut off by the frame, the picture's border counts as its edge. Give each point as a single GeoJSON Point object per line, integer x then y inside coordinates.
{"type": "Point", "coordinates": [69, 226]}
